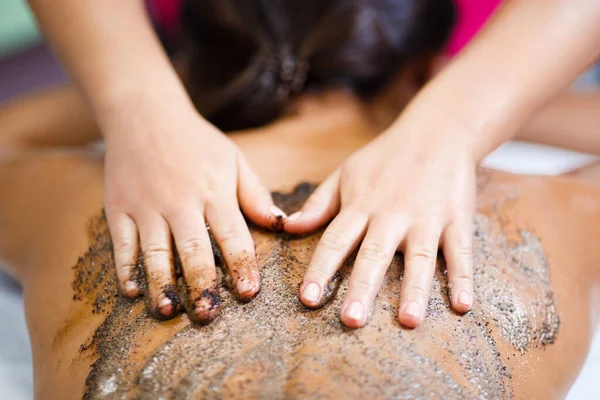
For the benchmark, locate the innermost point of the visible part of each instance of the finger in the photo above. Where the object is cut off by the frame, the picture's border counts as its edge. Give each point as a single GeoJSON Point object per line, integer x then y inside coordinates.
{"type": "Point", "coordinates": [197, 264]}
{"type": "Point", "coordinates": [255, 200]}
{"type": "Point", "coordinates": [419, 259]}
{"type": "Point", "coordinates": [233, 237]}
{"type": "Point", "coordinates": [126, 250]}
{"type": "Point", "coordinates": [458, 252]}
{"type": "Point", "coordinates": [374, 257]}
{"type": "Point", "coordinates": [339, 240]}
{"type": "Point", "coordinates": [320, 207]}
{"type": "Point", "coordinates": [157, 254]}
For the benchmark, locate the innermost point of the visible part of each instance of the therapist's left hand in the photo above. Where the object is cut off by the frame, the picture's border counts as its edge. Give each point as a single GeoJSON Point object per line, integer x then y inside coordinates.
{"type": "Point", "coordinates": [410, 189]}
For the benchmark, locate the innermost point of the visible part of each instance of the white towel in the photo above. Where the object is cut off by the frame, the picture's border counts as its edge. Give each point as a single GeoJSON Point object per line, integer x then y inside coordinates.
{"type": "Point", "coordinates": [16, 370]}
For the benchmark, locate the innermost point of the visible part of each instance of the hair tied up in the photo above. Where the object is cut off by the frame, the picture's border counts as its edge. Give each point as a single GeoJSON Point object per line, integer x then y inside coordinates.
{"type": "Point", "coordinates": [250, 58]}
{"type": "Point", "coordinates": [292, 73]}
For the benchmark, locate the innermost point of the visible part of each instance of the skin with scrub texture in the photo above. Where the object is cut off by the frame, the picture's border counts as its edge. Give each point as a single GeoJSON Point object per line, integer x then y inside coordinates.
{"type": "Point", "coordinates": [290, 347]}
{"type": "Point", "coordinates": [525, 337]}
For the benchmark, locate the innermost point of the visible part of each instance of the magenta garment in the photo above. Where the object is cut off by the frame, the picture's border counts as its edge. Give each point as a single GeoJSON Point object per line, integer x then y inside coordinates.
{"type": "Point", "coordinates": [472, 15]}
{"type": "Point", "coordinates": [166, 15]}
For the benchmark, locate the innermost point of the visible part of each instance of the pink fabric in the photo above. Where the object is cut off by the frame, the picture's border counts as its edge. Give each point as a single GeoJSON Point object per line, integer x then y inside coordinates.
{"type": "Point", "coordinates": [166, 14]}
{"type": "Point", "coordinates": [472, 15]}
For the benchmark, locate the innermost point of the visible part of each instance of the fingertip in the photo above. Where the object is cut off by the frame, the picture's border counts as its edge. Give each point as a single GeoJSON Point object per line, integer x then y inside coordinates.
{"type": "Point", "coordinates": [165, 306]}
{"type": "Point", "coordinates": [255, 200]}
{"type": "Point", "coordinates": [268, 216]}
{"type": "Point", "coordinates": [303, 222]}
{"type": "Point", "coordinates": [207, 307]}
{"type": "Point", "coordinates": [130, 289]}
{"type": "Point", "coordinates": [127, 287]}
{"type": "Point", "coordinates": [125, 252]}
{"type": "Point", "coordinates": [408, 321]}
{"type": "Point", "coordinates": [354, 315]}
{"type": "Point", "coordinates": [322, 205]}
{"type": "Point", "coordinates": [463, 302]}
{"type": "Point", "coordinates": [244, 270]}
{"type": "Point", "coordinates": [310, 294]}
{"type": "Point", "coordinates": [247, 288]}
{"type": "Point", "coordinates": [458, 251]}
{"type": "Point", "coordinates": [411, 315]}
{"type": "Point", "coordinates": [276, 218]}
{"type": "Point", "coordinates": [168, 303]}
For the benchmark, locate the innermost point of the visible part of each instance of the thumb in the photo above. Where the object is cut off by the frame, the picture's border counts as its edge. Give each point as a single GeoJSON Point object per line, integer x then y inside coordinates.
{"type": "Point", "coordinates": [319, 209]}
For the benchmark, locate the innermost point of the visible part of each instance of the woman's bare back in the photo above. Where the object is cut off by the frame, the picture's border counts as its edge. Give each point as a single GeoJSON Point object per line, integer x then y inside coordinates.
{"type": "Point", "coordinates": [273, 347]}
{"type": "Point", "coordinates": [527, 336]}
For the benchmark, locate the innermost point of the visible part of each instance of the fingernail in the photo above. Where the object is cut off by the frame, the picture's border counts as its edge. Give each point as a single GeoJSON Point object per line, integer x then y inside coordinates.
{"type": "Point", "coordinates": [276, 211]}
{"type": "Point", "coordinates": [165, 305]}
{"type": "Point", "coordinates": [311, 293]}
{"type": "Point", "coordinates": [355, 311]}
{"type": "Point", "coordinates": [244, 286]}
{"type": "Point", "coordinates": [413, 309]}
{"type": "Point", "coordinates": [207, 306]}
{"type": "Point", "coordinates": [131, 288]}
{"type": "Point", "coordinates": [295, 216]}
{"type": "Point", "coordinates": [464, 299]}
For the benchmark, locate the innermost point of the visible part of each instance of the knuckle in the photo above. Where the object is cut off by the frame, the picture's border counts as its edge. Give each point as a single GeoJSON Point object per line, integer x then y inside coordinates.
{"type": "Point", "coordinates": [362, 287]}
{"type": "Point", "coordinates": [422, 256]}
{"type": "Point", "coordinates": [124, 246]}
{"type": "Point", "coordinates": [416, 290]}
{"type": "Point", "coordinates": [193, 246]}
{"type": "Point", "coordinates": [124, 269]}
{"type": "Point", "coordinates": [232, 232]}
{"type": "Point", "coordinates": [465, 255]}
{"type": "Point", "coordinates": [156, 250]}
{"type": "Point", "coordinates": [209, 194]}
{"type": "Point", "coordinates": [213, 185]}
{"type": "Point", "coordinates": [317, 272]}
{"type": "Point", "coordinates": [373, 251]}
{"type": "Point", "coordinates": [462, 278]}
{"type": "Point", "coordinates": [210, 189]}
{"type": "Point", "coordinates": [334, 240]}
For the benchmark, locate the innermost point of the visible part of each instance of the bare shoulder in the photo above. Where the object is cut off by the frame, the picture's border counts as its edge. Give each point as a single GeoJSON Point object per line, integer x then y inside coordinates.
{"type": "Point", "coordinates": [45, 195]}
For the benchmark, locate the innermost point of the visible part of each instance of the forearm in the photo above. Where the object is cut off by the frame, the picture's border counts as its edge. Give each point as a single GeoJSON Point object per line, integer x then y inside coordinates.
{"type": "Point", "coordinates": [571, 121]}
{"type": "Point", "coordinates": [111, 51]}
{"type": "Point", "coordinates": [532, 50]}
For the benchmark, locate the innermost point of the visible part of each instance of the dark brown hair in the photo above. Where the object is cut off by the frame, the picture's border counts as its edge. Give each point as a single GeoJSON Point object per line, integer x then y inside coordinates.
{"type": "Point", "coordinates": [250, 57]}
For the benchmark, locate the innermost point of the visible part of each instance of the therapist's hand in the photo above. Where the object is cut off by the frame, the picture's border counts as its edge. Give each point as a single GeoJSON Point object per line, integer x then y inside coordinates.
{"type": "Point", "coordinates": [410, 189]}
{"type": "Point", "coordinates": [174, 173]}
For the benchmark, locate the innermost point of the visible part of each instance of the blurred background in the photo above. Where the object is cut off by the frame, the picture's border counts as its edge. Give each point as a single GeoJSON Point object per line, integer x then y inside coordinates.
{"type": "Point", "coordinates": [27, 64]}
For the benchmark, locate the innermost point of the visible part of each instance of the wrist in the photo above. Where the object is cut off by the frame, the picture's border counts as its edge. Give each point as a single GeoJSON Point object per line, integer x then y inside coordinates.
{"type": "Point", "coordinates": [154, 121]}
{"type": "Point", "coordinates": [145, 108]}
{"type": "Point", "coordinates": [140, 97]}
{"type": "Point", "coordinates": [453, 111]}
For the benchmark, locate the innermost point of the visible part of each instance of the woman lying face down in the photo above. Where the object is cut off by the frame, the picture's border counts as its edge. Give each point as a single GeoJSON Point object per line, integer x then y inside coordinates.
{"type": "Point", "coordinates": [526, 337]}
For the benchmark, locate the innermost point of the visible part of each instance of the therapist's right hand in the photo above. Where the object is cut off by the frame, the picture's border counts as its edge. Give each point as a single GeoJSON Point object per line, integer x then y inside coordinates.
{"type": "Point", "coordinates": [173, 174]}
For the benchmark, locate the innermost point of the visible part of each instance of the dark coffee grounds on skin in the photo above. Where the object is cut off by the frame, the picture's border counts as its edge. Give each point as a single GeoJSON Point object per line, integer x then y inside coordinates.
{"type": "Point", "coordinates": [273, 347]}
